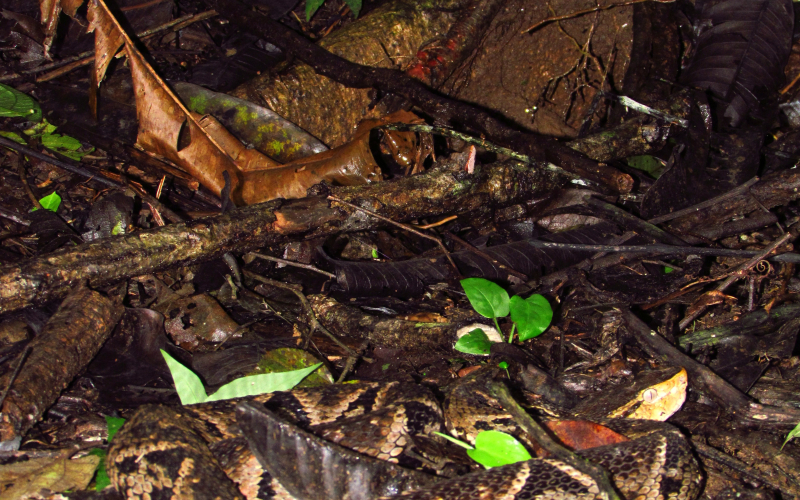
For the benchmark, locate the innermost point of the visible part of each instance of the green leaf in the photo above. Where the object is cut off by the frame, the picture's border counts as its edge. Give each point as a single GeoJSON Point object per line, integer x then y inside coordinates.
{"type": "Point", "coordinates": [14, 103]}
{"type": "Point", "coordinates": [668, 269]}
{"type": "Point", "coordinates": [792, 434]}
{"type": "Point", "coordinates": [262, 384]}
{"type": "Point", "coordinates": [50, 202]}
{"type": "Point", "coordinates": [189, 386]}
{"type": "Point", "coordinates": [311, 8]}
{"type": "Point", "coordinates": [191, 391]}
{"type": "Point", "coordinates": [65, 145]}
{"type": "Point", "coordinates": [113, 424]}
{"type": "Point", "coordinates": [488, 299]}
{"type": "Point", "coordinates": [475, 342]}
{"type": "Point", "coordinates": [495, 448]}
{"type": "Point", "coordinates": [503, 365]}
{"type": "Point", "coordinates": [14, 137]}
{"type": "Point", "coordinates": [101, 479]}
{"type": "Point", "coordinates": [375, 253]}
{"type": "Point", "coordinates": [532, 315]}
{"type": "Point", "coordinates": [355, 6]}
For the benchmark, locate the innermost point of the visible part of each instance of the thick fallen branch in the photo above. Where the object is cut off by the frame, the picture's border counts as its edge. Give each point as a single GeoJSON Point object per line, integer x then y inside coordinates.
{"type": "Point", "coordinates": [65, 346]}
{"type": "Point", "coordinates": [445, 109]}
{"type": "Point", "coordinates": [443, 190]}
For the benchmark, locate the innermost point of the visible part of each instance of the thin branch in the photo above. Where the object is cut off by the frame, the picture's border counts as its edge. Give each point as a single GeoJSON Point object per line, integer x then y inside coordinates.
{"type": "Point", "coordinates": [665, 249]}
{"type": "Point", "coordinates": [87, 57]}
{"type": "Point", "coordinates": [14, 375]}
{"type": "Point", "coordinates": [405, 227]}
{"type": "Point", "coordinates": [75, 169]}
{"type": "Point", "coordinates": [705, 204]}
{"type": "Point", "coordinates": [589, 11]}
{"type": "Point", "coordinates": [292, 263]}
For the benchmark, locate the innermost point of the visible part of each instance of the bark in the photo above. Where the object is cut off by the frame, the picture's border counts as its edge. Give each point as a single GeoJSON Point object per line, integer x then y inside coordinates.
{"type": "Point", "coordinates": [442, 190]}
{"type": "Point", "coordinates": [68, 342]}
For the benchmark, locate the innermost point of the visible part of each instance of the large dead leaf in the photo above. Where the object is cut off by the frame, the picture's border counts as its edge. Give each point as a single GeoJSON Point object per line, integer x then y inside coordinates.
{"type": "Point", "coordinates": [205, 149]}
{"type": "Point", "coordinates": [349, 164]}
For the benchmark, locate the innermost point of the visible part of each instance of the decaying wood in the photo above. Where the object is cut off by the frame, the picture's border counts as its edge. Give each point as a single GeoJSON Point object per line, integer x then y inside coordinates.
{"type": "Point", "coordinates": [446, 110]}
{"type": "Point", "coordinates": [444, 190]}
{"type": "Point", "coordinates": [68, 342]}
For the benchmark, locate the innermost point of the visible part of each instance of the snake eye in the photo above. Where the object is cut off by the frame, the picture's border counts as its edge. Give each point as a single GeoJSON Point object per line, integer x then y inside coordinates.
{"type": "Point", "coordinates": [650, 395]}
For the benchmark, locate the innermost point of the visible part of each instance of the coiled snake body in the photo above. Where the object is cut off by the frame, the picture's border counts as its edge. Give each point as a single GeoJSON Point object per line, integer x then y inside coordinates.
{"type": "Point", "coordinates": [199, 452]}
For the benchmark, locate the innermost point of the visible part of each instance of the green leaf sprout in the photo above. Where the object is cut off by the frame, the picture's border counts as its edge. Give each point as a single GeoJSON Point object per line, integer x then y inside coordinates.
{"type": "Point", "coordinates": [530, 316]}
{"type": "Point", "coordinates": [493, 448]}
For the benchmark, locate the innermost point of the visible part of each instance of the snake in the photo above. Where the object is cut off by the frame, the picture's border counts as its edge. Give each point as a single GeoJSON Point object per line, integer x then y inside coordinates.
{"type": "Point", "coordinates": [375, 440]}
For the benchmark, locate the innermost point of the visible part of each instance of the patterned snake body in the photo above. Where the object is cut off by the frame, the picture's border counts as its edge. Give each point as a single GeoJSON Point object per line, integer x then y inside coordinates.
{"type": "Point", "coordinates": [199, 452]}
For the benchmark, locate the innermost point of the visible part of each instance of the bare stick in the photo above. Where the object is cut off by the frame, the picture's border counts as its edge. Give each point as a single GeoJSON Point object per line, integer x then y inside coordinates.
{"type": "Point", "coordinates": [705, 204]}
{"type": "Point", "coordinates": [402, 226]}
{"type": "Point", "coordinates": [20, 362]}
{"type": "Point", "coordinates": [589, 11]}
{"type": "Point", "coordinates": [292, 263]}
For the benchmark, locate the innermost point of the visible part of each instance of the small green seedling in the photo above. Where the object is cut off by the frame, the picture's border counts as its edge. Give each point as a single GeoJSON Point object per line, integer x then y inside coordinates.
{"type": "Point", "coordinates": [792, 434]}
{"type": "Point", "coordinates": [493, 448]}
{"type": "Point", "coordinates": [101, 479]}
{"type": "Point", "coordinates": [50, 202]}
{"type": "Point", "coordinates": [504, 366]}
{"type": "Point", "coordinates": [531, 316]}
{"type": "Point", "coordinates": [191, 391]}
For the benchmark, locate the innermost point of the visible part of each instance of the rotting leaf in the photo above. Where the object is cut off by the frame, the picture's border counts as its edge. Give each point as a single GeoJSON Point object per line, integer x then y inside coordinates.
{"type": "Point", "coordinates": [26, 479]}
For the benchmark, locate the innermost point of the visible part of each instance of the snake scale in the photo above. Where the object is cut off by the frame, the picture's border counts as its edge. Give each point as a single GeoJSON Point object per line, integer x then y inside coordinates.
{"type": "Point", "coordinates": [199, 451]}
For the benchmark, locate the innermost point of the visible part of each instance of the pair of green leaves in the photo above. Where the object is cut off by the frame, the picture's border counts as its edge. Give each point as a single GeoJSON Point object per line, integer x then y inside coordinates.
{"type": "Point", "coordinates": [313, 5]}
{"type": "Point", "coordinates": [191, 390]}
{"type": "Point", "coordinates": [531, 316]}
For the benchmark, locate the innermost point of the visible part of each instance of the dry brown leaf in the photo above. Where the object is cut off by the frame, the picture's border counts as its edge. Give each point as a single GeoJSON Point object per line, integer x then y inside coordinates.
{"type": "Point", "coordinates": [58, 473]}
{"type": "Point", "coordinates": [49, 10]}
{"type": "Point", "coordinates": [71, 7]}
{"type": "Point", "coordinates": [205, 149]}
